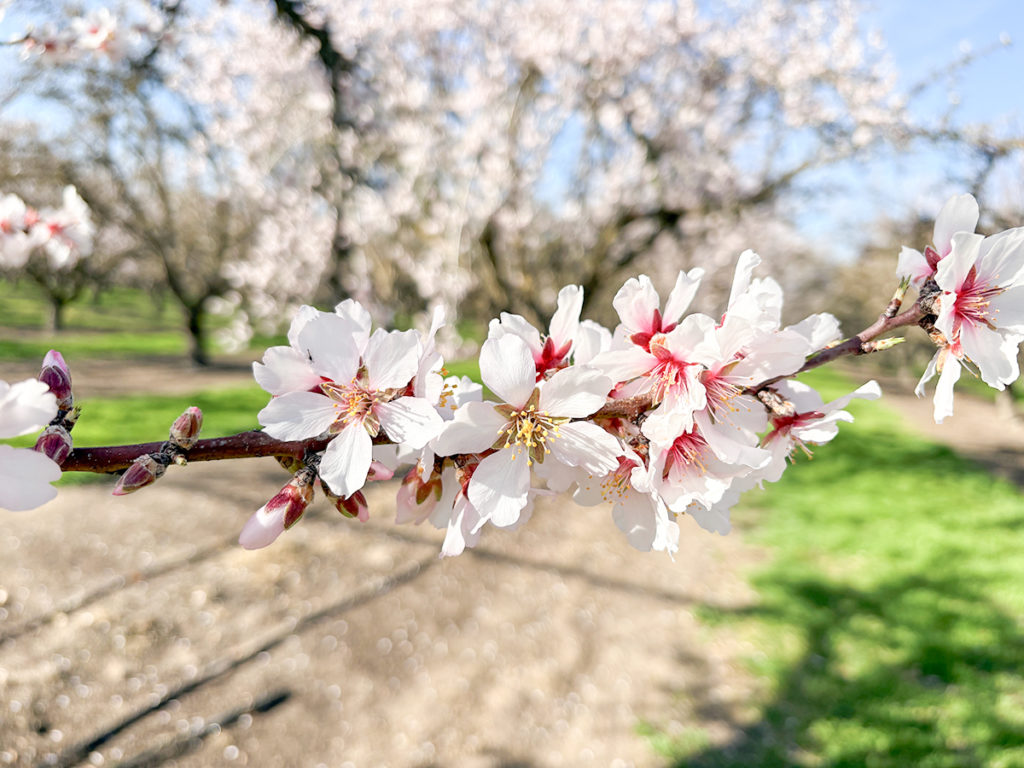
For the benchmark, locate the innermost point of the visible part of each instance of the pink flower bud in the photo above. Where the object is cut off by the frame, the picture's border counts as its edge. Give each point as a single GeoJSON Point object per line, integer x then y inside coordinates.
{"type": "Point", "coordinates": [143, 471]}
{"type": "Point", "coordinates": [185, 429]}
{"type": "Point", "coordinates": [57, 377]}
{"type": "Point", "coordinates": [354, 506]}
{"type": "Point", "coordinates": [55, 443]}
{"type": "Point", "coordinates": [416, 499]}
{"type": "Point", "coordinates": [378, 472]}
{"type": "Point", "coordinates": [278, 514]}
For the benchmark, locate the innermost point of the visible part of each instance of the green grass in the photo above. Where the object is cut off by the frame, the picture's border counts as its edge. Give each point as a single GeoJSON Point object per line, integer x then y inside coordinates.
{"type": "Point", "coordinates": [23, 305]}
{"type": "Point", "coordinates": [890, 623]}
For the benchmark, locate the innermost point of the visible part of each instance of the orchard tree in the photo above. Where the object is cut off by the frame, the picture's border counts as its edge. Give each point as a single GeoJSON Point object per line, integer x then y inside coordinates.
{"type": "Point", "coordinates": [197, 138]}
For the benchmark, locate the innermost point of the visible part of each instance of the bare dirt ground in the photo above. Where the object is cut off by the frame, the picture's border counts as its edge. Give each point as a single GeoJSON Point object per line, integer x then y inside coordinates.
{"type": "Point", "coordinates": [133, 632]}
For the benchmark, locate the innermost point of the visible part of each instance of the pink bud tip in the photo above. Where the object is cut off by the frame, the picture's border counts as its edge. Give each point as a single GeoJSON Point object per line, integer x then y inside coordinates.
{"type": "Point", "coordinates": [55, 443]}
{"type": "Point", "coordinates": [57, 377]}
{"type": "Point", "coordinates": [144, 471]}
{"type": "Point", "coordinates": [378, 472]}
{"type": "Point", "coordinates": [278, 514]}
{"type": "Point", "coordinates": [185, 429]}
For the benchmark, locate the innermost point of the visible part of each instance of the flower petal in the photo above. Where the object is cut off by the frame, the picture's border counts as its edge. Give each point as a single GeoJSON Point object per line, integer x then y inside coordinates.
{"type": "Point", "coordinates": [575, 392]}
{"type": "Point", "coordinates": [346, 461]}
{"type": "Point", "coordinates": [566, 321]}
{"type": "Point", "coordinates": [944, 389]}
{"type": "Point", "coordinates": [284, 370]}
{"type": "Point", "coordinates": [959, 214]}
{"type": "Point", "coordinates": [585, 445]}
{"type": "Point", "coordinates": [328, 342]}
{"type": "Point", "coordinates": [679, 300]}
{"type": "Point", "coordinates": [500, 486]}
{"type": "Point", "coordinates": [297, 415]}
{"type": "Point", "coordinates": [25, 478]}
{"type": "Point", "coordinates": [636, 302]}
{"type": "Point", "coordinates": [262, 527]}
{"type": "Point", "coordinates": [985, 348]}
{"type": "Point", "coordinates": [475, 427]}
{"type": "Point", "coordinates": [25, 407]}
{"type": "Point", "coordinates": [410, 420]}
{"type": "Point", "coordinates": [507, 368]}
{"type": "Point", "coordinates": [391, 358]}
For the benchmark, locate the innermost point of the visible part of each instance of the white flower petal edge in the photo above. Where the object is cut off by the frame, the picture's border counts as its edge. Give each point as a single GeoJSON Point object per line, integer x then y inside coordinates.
{"type": "Point", "coordinates": [575, 392]}
{"type": "Point", "coordinates": [25, 407]}
{"type": "Point", "coordinates": [25, 478]}
{"type": "Point", "coordinates": [475, 427]}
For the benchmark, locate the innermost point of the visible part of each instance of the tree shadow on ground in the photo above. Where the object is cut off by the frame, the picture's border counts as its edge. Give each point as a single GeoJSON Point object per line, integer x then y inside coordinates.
{"type": "Point", "coordinates": [892, 632]}
{"type": "Point", "coordinates": [921, 670]}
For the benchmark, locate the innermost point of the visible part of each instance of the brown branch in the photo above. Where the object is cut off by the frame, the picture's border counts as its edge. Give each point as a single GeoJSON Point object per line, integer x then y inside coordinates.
{"type": "Point", "coordinates": [241, 446]}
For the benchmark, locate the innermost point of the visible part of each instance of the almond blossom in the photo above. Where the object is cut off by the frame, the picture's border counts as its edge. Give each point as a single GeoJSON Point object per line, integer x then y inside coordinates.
{"type": "Point", "coordinates": [552, 351]}
{"type": "Point", "coordinates": [358, 389]}
{"type": "Point", "coordinates": [959, 214]}
{"type": "Point", "coordinates": [534, 423]}
{"type": "Point", "coordinates": [980, 313]}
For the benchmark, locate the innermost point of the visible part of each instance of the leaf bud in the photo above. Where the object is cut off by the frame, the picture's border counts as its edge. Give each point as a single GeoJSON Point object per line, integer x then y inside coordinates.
{"type": "Point", "coordinates": [144, 471]}
{"type": "Point", "coordinates": [185, 429]}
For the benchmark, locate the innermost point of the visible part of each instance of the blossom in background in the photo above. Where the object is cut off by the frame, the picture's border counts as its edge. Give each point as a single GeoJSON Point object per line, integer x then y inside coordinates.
{"type": "Point", "coordinates": [959, 214]}
{"type": "Point", "coordinates": [980, 313]}
{"type": "Point", "coordinates": [25, 475]}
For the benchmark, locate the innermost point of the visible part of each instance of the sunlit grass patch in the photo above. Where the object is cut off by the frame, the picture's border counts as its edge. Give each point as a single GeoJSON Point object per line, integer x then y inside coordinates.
{"type": "Point", "coordinates": [890, 625]}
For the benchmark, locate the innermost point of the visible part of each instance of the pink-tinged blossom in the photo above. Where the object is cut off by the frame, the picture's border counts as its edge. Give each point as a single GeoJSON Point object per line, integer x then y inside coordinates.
{"type": "Point", "coordinates": [25, 475]}
{"type": "Point", "coordinates": [18, 234]}
{"type": "Point", "coordinates": [700, 463]}
{"type": "Point", "coordinates": [637, 508]}
{"type": "Point", "coordinates": [669, 367]}
{"type": "Point", "coordinates": [813, 422]}
{"type": "Point", "coordinates": [639, 306]}
{"type": "Point", "coordinates": [360, 389]}
{"type": "Point", "coordinates": [553, 351]}
{"type": "Point", "coordinates": [959, 214]}
{"type": "Point", "coordinates": [980, 313]}
{"type": "Point", "coordinates": [534, 424]}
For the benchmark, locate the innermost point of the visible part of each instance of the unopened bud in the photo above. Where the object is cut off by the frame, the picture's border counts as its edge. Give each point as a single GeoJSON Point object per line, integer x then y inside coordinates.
{"type": "Point", "coordinates": [55, 443]}
{"type": "Point", "coordinates": [417, 497]}
{"type": "Point", "coordinates": [144, 471]}
{"type": "Point", "coordinates": [354, 506]}
{"type": "Point", "coordinates": [278, 514]}
{"type": "Point", "coordinates": [379, 472]}
{"type": "Point", "coordinates": [57, 377]}
{"type": "Point", "coordinates": [185, 429]}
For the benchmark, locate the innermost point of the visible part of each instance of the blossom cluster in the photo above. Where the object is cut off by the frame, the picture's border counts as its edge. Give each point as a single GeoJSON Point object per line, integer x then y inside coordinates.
{"type": "Point", "coordinates": [665, 416]}
{"type": "Point", "coordinates": [975, 287]}
{"type": "Point", "coordinates": [64, 233]}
